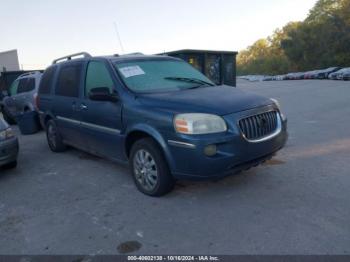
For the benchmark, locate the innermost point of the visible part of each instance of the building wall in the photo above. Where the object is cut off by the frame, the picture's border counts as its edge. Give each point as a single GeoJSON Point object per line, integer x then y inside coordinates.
{"type": "Point", "coordinates": [9, 61]}
{"type": "Point", "coordinates": [218, 66]}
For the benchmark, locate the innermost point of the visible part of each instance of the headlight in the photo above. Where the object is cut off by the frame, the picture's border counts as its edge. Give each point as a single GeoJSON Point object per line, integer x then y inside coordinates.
{"type": "Point", "coordinates": [276, 103]}
{"type": "Point", "coordinates": [196, 124]}
{"type": "Point", "coordinates": [6, 134]}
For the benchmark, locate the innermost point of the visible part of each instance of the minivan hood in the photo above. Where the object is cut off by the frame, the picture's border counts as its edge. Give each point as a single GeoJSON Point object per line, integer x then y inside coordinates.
{"type": "Point", "coordinates": [220, 100]}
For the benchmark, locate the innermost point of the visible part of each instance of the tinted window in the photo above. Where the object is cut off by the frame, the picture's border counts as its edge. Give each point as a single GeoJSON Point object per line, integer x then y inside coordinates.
{"type": "Point", "coordinates": [22, 85]}
{"type": "Point", "coordinates": [14, 87]}
{"type": "Point", "coordinates": [26, 85]}
{"type": "Point", "coordinates": [46, 80]}
{"type": "Point", "coordinates": [97, 75]}
{"type": "Point", "coordinates": [30, 84]}
{"type": "Point", "coordinates": [68, 80]}
{"type": "Point", "coordinates": [155, 75]}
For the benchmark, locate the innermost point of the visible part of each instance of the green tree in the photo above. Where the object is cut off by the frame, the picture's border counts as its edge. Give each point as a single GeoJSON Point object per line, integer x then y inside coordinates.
{"type": "Point", "coordinates": [321, 40]}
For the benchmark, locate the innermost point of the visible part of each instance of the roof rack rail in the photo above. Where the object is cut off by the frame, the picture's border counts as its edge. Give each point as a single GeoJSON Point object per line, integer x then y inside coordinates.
{"type": "Point", "coordinates": [136, 53]}
{"type": "Point", "coordinates": [69, 57]}
{"type": "Point", "coordinates": [29, 73]}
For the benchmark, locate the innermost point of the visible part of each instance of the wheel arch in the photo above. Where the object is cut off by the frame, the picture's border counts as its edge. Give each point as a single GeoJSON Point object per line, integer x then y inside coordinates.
{"type": "Point", "coordinates": [46, 117]}
{"type": "Point", "coordinates": [143, 131]}
{"type": "Point", "coordinates": [28, 107]}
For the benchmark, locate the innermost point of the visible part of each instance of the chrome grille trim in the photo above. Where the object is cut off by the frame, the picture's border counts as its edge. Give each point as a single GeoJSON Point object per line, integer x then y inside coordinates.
{"type": "Point", "coordinates": [261, 127]}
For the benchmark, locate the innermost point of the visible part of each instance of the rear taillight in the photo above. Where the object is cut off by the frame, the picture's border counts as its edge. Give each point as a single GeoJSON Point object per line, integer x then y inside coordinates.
{"type": "Point", "coordinates": [36, 100]}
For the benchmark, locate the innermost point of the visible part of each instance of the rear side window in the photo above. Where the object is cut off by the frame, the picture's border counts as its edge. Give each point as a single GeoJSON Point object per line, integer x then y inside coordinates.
{"type": "Point", "coordinates": [69, 80]}
{"type": "Point", "coordinates": [46, 80]}
{"type": "Point", "coordinates": [30, 84]}
{"type": "Point", "coordinates": [22, 85]}
{"type": "Point", "coordinates": [26, 85]}
{"type": "Point", "coordinates": [97, 75]}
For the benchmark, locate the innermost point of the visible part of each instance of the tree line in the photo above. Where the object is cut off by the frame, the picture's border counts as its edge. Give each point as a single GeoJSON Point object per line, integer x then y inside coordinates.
{"type": "Point", "coordinates": [322, 40]}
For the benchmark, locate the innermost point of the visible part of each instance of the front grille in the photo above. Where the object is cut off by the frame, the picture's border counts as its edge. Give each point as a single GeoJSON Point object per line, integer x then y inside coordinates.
{"type": "Point", "coordinates": [259, 126]}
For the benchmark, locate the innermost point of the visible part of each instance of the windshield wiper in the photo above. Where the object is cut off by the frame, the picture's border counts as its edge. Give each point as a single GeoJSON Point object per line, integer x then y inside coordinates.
{"type": "Point", "coordinates": [190, 80]}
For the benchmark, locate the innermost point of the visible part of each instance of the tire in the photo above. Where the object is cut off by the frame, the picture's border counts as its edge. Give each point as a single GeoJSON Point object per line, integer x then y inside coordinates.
{"type": "Point", "coordinates": [11, 165]}
{"type": "Point", "coordinates": [54, 138]}
{"type": "Point", "coordinates": [8, 118]}
{"type": "Point", "coordinates": [149, 168]}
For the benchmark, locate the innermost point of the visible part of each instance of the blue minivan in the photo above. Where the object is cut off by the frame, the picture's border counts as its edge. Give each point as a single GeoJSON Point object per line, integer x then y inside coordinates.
{"type": "Point", "coordinates": [160, 115]}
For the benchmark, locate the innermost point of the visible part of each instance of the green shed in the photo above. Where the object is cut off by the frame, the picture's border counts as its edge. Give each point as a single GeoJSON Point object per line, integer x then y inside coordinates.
{"type": "Point", "coordinates": [218, 66]}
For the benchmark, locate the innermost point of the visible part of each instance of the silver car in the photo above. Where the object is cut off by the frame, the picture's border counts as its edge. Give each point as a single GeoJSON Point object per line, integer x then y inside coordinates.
{"type": "Point", "coordinates": [8, 146]}
{"type": "Point", "coordinates": [22, 95]}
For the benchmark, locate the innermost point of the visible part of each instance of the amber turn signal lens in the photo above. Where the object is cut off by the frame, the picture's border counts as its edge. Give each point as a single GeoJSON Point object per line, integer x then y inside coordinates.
{"type": "Point", "coordinates": [181, 126]}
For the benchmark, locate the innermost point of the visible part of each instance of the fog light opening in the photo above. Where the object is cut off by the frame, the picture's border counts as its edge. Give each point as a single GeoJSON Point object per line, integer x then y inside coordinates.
{"type": "Point", "coordinates": [210, 150]}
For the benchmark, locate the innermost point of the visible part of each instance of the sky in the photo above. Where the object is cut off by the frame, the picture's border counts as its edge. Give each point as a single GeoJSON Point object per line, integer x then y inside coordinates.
{"type": "Point", "coordinates": [43, 30]}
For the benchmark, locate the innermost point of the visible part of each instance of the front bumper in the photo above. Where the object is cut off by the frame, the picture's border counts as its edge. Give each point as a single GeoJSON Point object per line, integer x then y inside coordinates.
{"type": "Point", "coordinates": [234, 152]}
{"type": "Point", "coordinates": [8, 151]}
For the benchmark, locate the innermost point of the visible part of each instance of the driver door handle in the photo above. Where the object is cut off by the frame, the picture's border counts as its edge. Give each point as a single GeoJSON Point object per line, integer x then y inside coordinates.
{"type": "Point", "coordinates": [83, 107]}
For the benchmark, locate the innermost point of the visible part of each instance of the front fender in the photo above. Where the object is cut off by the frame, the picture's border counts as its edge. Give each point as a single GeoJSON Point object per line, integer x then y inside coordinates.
{"type": "Point", "coordinates": [156, 135]}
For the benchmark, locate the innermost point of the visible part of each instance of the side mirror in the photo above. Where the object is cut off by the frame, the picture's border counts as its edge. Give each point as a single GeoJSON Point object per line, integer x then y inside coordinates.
{"type": "Point", "coordinates": [102, 94]}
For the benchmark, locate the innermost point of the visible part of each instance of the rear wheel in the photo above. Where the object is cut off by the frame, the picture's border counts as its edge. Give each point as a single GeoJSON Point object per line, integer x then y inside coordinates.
{"type": "Point", "coordinates": [11, 165]}
{"type": "Point", "coordinates": [54, 138]}
{"type": "Point", "coordinates": [7, 117]}
{"type": "Point", "coordinates": [149, 168]}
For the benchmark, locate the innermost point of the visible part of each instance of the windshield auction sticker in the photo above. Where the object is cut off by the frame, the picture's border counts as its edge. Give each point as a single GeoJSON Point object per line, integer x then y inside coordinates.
{"type": "Point", "coordinates": [130, 71]}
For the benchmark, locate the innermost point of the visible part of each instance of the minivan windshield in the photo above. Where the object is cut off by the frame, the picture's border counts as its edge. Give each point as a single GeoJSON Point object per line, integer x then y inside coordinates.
{"type": "Point", "coordinates": [160, 75]}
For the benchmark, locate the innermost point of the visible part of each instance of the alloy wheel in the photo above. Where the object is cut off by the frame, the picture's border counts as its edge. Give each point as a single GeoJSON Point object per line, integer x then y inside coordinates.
{"type": "Point", "coordinates": [51, 135]}
{"type": "Point", "coordinates": [145, 169]}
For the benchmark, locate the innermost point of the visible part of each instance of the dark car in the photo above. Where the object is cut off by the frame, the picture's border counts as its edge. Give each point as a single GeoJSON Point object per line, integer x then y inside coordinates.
{"type": "Point", "coordinates": [323, 74]}
{"type": "Point", "coordinates": [338, 75]}
{"type": "Point", "coordinates": [314, 74]}
{"type": "Point", "coordinates": [346, 76]}
{"type": "Point", "coordinates": [160, 115]}
{"type": "Point", "coordinates": [8, 146]}
{"type": "Point", "coordinates": [302, 76]}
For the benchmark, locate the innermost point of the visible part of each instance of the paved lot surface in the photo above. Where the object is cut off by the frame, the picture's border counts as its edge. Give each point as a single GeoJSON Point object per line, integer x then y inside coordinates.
{"type": "Point", "coordinates": [298, 203]}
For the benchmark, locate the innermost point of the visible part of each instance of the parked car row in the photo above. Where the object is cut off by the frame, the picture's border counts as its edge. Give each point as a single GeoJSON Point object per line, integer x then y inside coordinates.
{"type": "Point", "coordinates": [333, 73]}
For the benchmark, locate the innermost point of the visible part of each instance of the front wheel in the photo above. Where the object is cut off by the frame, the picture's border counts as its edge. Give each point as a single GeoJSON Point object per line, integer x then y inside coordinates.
{"type": "Point", "coordinates": [149, 168]}
{"type": "Point", "coordinates": [54, 138]}
{"type": "Point", "coordinates": [11, 165]}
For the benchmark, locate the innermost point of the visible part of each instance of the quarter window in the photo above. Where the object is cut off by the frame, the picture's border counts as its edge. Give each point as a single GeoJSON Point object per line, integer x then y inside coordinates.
{"type": "Point", "coordinates": [69, 80]}
{"type": "Point", "coordinates": [14, 87]}
{"type": "Point", "coordinates": [97, 75]}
